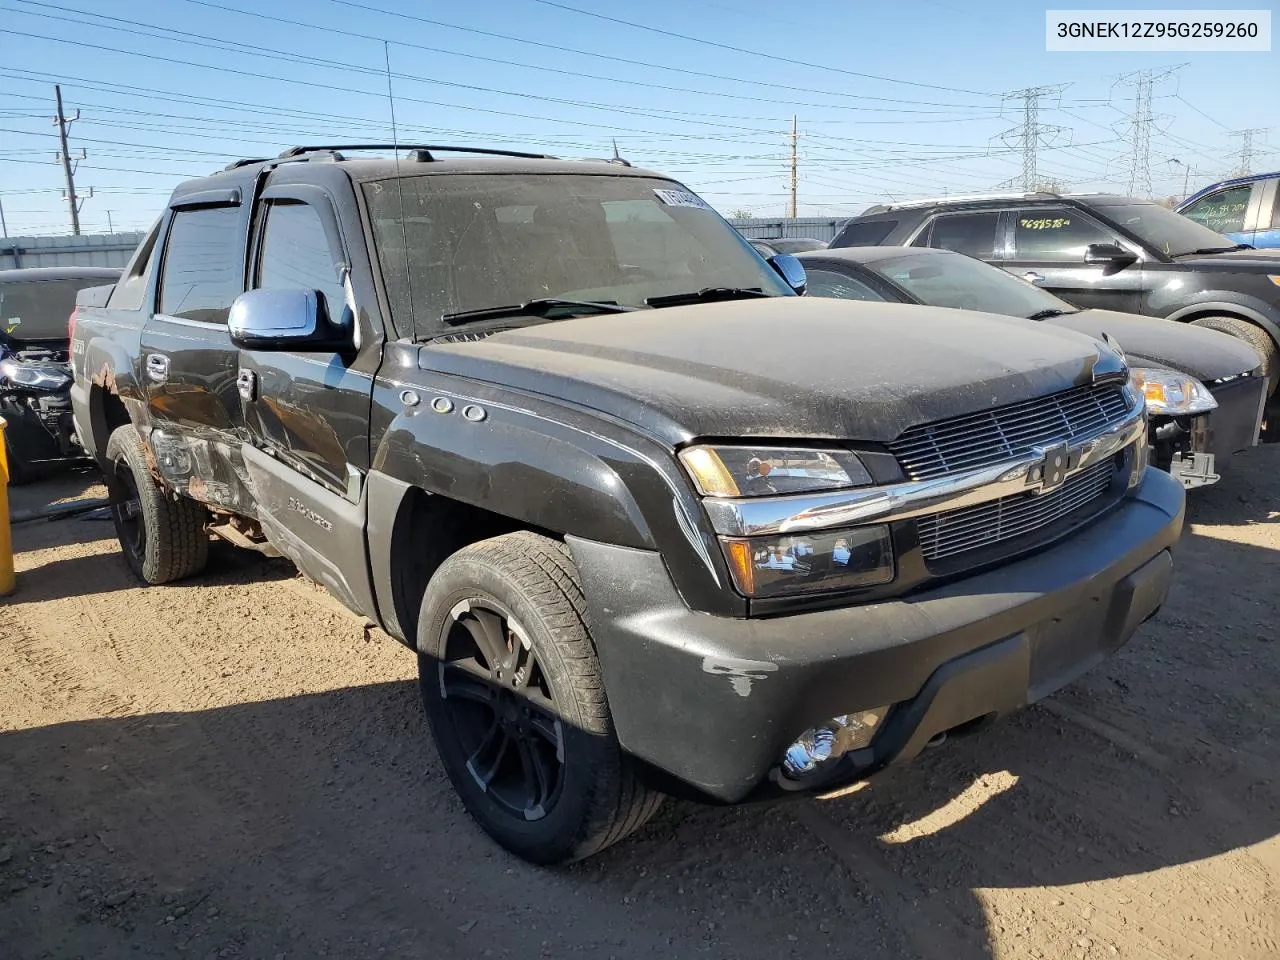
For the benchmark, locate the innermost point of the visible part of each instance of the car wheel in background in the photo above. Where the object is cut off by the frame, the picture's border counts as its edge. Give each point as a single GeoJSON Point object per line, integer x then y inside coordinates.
{"type": "Point", "coordinates": [1254, 335]}
{"type": "Point", "coordinates": [516, 702]}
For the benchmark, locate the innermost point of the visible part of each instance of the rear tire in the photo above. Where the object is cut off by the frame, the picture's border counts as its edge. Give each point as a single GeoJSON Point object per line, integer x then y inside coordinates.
{"type": "Point", "coordinates": [516, 702]}
{"type": "Point", "coordinates": [162, 538]}
{"type": "Point", "coordinates": [1256, 337]}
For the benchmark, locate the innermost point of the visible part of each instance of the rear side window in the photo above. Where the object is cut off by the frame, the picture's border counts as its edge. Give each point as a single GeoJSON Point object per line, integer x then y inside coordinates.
{"type": "Point", "coordinates": [869, 233]}
{"type": "Point", "coordinates": [828, 283]}
{"type": "Point", "coordinates": [1222, 211]}
{"type": "Point", "coordinates": [297, 254]}
{"type": "Point", "coordinates": [132, 286]}
{"type": "Point", "coordinates": [1055, 233]}
{"type": "Point", "coordinates": [970, 233]}
{"type": "Point", "coordinates": [203, 264]}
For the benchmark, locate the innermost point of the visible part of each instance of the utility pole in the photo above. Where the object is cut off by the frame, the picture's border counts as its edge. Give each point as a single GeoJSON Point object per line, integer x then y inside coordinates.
{"type": "Point", "coordinates": [110, 228]}
{"type": "Point", "coordinates": [4, 227]}
{"type": "Point", "coordinates": [1246, 148]}
{"type": "Point", "coordinates": [62, 121]}
{"type": "Point", "coordinates": [794, 178]}
{"type": "Point", "coordinates": [1140, 122]}
{"type": "Point", "coordinates": [1031, 134]}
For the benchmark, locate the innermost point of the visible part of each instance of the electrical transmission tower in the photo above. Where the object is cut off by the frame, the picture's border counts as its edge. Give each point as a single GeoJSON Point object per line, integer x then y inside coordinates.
{"type": "Point", "coordinates": [1030, 135]}
{"type": "Point", "coordinates": [1246, 148]}
{"type": "Point", "coordinates": [1139, 126]}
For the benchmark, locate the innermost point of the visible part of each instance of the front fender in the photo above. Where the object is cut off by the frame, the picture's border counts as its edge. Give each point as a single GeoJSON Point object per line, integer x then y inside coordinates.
{"type": "Point", "coordinates": [1254, 309]}
{"type": "Point", "coordinates": [553, 467]}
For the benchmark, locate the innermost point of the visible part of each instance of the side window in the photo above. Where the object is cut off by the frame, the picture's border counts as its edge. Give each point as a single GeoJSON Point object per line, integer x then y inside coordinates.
{"type": "Point", "coordinates": [866, 234]}
{"type": "Point", "coordinates": [971, 233]}
{"type": "Point", "coordinates": [1055, 233]}
{"type": "Point", "coordinates": [297, 254]}
{"type": "Point", "coordinates": [1222, 211]}
{"type": "Point", "coordinates": [203, 264]}
{"type": "Point", "coordinates": [132, 285]}
{"type": "Point", "coordinates": [828, 283]}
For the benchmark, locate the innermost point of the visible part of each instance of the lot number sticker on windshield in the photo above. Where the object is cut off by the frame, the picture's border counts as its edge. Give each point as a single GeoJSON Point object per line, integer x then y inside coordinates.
{"type": "Point", "coordinates": [681, 198]}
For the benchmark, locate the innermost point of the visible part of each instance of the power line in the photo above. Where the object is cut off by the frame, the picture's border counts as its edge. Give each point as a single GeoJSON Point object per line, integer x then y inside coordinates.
{"type": "Point", "coordinates": [825, 68]}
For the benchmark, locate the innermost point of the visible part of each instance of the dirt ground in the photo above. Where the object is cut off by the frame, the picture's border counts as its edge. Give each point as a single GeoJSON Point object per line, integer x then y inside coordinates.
{"type": "Point", "coordinates": [235, 767]}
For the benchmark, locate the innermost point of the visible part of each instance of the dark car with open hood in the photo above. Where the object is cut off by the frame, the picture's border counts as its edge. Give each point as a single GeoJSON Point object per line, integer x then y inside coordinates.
{"type": "Point", "coordinates": [1204, 390]}
{"type": "Point", "coordinates": [35, 365]}
{"type": "Point", "coordinates": [650, 522]}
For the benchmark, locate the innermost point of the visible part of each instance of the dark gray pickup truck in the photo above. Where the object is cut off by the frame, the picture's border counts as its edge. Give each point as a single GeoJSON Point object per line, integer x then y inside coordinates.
{"type": "Point", "coordinates": [651, 522]}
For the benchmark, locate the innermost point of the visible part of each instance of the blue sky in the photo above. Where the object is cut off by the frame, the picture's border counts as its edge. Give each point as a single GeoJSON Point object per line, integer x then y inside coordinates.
{"type": "Point", "coordinates": [893, 99]}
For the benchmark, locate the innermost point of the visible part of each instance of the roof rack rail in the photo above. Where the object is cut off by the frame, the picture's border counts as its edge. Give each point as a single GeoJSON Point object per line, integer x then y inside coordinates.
{"type": "Point", "coordinates": [422, 151]}
{"type": "Point", "coordinates": [961, 198]}
{"type": "Point", "coordinates": [248, 161]}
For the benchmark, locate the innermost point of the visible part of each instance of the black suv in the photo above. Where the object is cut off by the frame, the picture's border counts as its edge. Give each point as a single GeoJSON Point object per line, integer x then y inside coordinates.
{"type": "Point", "coordinates": [1103, 251]}
{"type": "Point", "coordinates": [651, 522]}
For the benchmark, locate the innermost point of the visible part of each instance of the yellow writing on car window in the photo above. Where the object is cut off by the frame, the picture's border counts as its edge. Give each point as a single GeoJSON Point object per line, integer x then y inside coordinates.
{"type": "Point", "coordinates": [1045, 223]}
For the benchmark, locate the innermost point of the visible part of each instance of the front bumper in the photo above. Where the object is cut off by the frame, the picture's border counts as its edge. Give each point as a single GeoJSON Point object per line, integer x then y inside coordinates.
{"type": "Point", "coordinates": [711, 703]}
{"type": "Point", "coordinates": [1191, 448]}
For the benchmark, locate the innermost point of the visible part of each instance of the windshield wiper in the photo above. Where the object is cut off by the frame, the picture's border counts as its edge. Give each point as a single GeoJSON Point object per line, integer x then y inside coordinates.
{"type": "Point", "coordinates": [542, 307]}
{"type": "Point", "coordinates": [1050, 312]}
{"type": "Point", "coordinates": [1238, 246]}
{"type": "Point", "coordinates": [705, 295]}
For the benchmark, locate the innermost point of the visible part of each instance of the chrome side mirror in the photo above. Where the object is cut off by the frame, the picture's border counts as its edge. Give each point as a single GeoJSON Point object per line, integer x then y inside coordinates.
{"type": "Point", "coordinates": [285, 320]}
{"type": "Point", "coordinates": [791, 270]}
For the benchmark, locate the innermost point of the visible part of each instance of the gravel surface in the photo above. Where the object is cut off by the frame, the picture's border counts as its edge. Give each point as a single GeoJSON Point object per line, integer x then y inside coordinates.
{"type": "Point", "coordinates": [236, 767]}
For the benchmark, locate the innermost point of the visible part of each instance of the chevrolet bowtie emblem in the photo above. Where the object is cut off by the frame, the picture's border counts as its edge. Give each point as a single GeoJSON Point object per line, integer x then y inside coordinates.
{"type": "Point", "coordinates": [1052, 469]}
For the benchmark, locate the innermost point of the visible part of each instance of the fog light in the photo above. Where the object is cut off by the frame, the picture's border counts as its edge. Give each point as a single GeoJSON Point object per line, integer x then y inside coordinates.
{"type": "Point", "coordinates": [831, 741]}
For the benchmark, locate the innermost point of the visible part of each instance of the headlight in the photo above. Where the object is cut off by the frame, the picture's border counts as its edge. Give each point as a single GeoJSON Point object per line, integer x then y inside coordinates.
{"type": "Point", "coordinates": [34, 375]}
{"type": "Point", "coordinates": [733, 471]}
{"type": "Point", "coordinates": [1171, 393]}
{"type": "Point", "coordinates": [805, 563]}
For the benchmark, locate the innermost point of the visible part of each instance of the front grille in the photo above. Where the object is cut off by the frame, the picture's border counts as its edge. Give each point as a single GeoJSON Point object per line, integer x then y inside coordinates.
{"type": "Point", "coordinates": [970, 528]}
{"type": "Point", "coordinates": [1006, 433]}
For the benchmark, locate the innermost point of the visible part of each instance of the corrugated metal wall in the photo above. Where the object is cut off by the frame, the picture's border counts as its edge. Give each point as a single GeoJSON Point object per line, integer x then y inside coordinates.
{"type": "Point", "coordinates": [819, 228]}
{"type": "Point", "coordinates": [96, 250]}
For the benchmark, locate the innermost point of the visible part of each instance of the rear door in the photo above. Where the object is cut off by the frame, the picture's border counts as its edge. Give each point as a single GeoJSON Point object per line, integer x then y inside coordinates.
{"type": "Point", "coordinates": [188, 364]}
{"type": "Point", "coordinates": [1048, 249]}
{"type": "Point", "coordinates": [1231, 211]}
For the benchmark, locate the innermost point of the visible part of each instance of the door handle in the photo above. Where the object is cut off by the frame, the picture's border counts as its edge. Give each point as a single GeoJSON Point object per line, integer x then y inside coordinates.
{"type": "Point", "coordinates": [1032, 277]}
{"type": "Point", "coordinates": [157, 367]}
{"type": "Point", "coordinates": [247, 385]}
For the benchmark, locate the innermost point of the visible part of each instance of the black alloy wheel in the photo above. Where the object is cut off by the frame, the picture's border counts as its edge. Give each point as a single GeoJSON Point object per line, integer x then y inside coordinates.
{"type": "Point", "coordinates": [501, 708]}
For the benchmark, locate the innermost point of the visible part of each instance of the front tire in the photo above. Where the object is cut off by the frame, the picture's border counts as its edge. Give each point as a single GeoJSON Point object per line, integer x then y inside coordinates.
{"type": "Point", "coordinates": [162, 538]}
{"type": "Point", "coordinates": [516, 702]}
{"type": "Point", "coordinates": [1256, 337]}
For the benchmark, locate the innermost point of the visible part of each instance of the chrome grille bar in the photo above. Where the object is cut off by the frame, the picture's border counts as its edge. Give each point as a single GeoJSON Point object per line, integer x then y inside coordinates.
{"type": "Point", "coordinates": [958, 531]}
{"type": "Point", "coordinates": [989, 437]}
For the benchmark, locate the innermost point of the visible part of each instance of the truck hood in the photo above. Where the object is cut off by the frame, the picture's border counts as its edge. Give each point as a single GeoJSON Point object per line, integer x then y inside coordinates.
{"type": "Point", "coordinates": [1204, 354]}
{"type": "Point", "coordinates": [784, 367]}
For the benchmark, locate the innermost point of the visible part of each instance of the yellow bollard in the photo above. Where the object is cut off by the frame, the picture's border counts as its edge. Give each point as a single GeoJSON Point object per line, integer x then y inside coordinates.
{"type": "Point", "coordinates": [6, 540]}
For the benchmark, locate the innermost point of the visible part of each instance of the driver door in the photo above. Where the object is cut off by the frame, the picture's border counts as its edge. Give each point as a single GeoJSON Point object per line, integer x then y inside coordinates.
{"type": "Point", "coordinates": [1048, 249]}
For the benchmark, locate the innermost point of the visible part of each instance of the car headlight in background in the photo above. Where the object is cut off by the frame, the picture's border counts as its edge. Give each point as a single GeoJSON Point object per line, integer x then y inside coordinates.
{"type": "Point", "coordinates": [35, 375]}
{"type": "Point", "coordinates": [1171, 393]}
{"type": "Point", "coordinates": [824, 561]}
{"type": "Point", "coordinates": [743, 471]}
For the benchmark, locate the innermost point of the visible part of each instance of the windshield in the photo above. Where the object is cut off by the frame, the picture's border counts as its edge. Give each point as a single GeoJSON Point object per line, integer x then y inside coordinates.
{"type": "Point", "coordinates": [483, 240]}
{"type": "Point", "coordinates": [1170, 233]}
{"type": "Point", "coordinates": [953, 280]}
{"type": "Point", "coordinates": [40, 309]}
